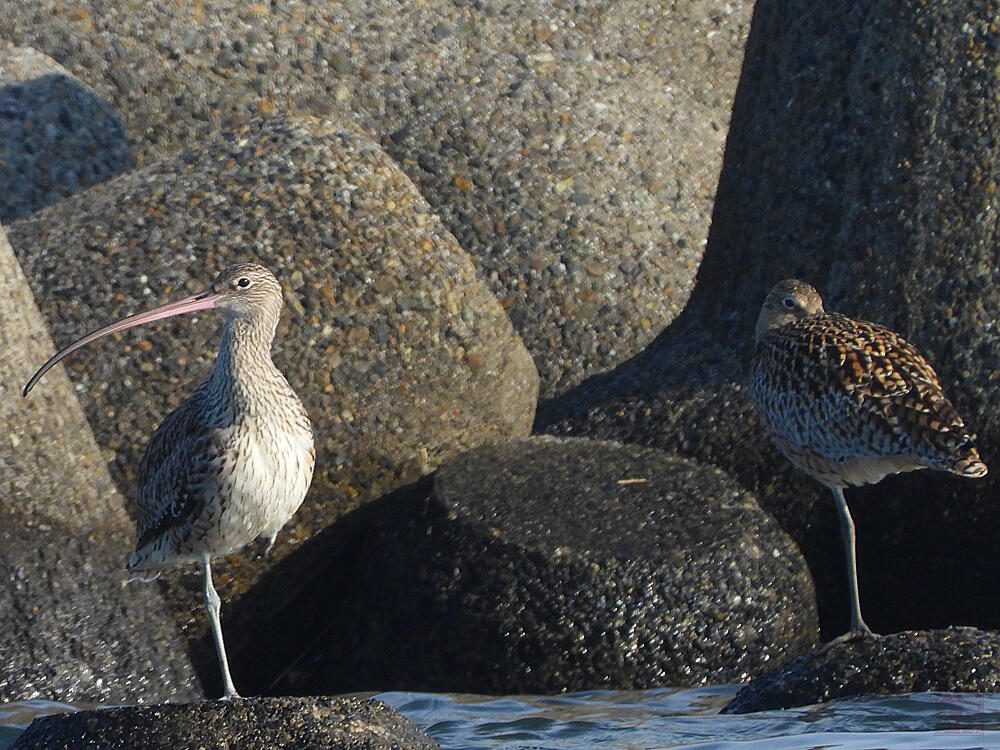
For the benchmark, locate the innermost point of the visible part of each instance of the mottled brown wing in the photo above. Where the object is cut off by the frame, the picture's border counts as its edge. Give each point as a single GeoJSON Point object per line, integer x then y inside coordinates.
{"type": "Point", "coordinates": [179, 470]}
{"type": "Point", "coordinates": [846, 388]}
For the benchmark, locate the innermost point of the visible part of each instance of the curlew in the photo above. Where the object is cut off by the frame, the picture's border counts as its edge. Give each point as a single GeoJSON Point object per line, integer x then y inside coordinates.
{"type": "Point", "coordinates": [232, 463]}
{"type": "Point", "coordinates": [850, 402]}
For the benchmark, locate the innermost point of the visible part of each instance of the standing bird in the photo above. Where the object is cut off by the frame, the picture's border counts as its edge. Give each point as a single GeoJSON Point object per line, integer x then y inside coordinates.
{"type": "Point", "coordinates": [849, 402]}
{"type": "Point", "coordinates": [231, 464]}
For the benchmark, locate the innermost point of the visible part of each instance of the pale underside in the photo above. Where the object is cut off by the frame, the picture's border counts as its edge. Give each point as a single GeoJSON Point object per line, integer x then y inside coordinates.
{"type": "Point", "coordinates": [821, 437]}
{"type": "Point", "coordinates": [216, 477]}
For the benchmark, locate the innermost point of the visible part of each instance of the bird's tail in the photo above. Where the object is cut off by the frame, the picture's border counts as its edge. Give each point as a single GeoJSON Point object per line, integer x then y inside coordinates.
{"type": "Point", "coordinates": [146, 561]}
{"type": "Point", "coordinates": [968, 463]}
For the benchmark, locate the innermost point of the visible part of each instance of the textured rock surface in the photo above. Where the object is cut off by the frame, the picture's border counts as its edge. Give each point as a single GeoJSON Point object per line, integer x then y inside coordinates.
{"type": "Point", "coordinates": [49, 456]}
{"type": "Point", "coordinates": [273, 723]}
{"type": "Point", "coordinates": [544, 565]}
{"type": "Point", "coordinates": [572, 148]}
{"type": "Point", "coordinates": [69, 629]}
{"type": "Point", "coordinates": [956, 660]}
{"type": "Point", "coordinates": [862, 158]}
{"type": "Point", "coordinates": [57, 136]}
{"type": "Point", "coordinates": [401, 355]}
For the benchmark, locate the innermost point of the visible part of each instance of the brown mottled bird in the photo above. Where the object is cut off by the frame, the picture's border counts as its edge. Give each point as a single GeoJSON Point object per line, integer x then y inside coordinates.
{"type": "Point", "coordinates": [849, 402]}
{"type": "Point", "coordinates": [232, 463]}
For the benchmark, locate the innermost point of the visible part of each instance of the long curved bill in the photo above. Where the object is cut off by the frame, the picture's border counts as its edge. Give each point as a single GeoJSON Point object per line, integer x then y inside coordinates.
{"type": "Point", "coordinates": [205, 300]}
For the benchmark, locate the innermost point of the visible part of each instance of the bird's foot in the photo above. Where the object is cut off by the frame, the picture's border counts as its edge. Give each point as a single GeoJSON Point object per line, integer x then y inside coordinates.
{"type": "Point", "coordinates": [854, 634]}
{"type": "Point", "coordinates": [261, 546]}
{"type": "Point", "coordinates": [145, 576]}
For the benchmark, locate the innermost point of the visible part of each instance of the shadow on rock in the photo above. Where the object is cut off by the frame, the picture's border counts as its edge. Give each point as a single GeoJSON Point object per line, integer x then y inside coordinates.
{"type": "Point", "coordinates": [544, 565]}
{"type": "Point", "coordinates": [57, 136]}
{"type": "Point", "coordinates": [73, 631]}
{"type": "Point", "coordinates": [272, 629]}
{"type": "Point", "coordinates": [70, 630]}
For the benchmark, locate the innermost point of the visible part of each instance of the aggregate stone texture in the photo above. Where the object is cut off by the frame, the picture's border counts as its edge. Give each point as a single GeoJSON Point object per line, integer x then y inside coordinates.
{"type": "Point", "coordinates": [314, 723]}
{"type": "Point", "coordinates": [57, 136]}
{"type": "Point", "coordinates": [545, 564]}
{"type": "Point", "coordinates": [861, 157]}
{"type": "Point", "coordinates": [69, 629]}
{"type": "Point", "coordinates": [401, 355]}
{"type": "Point", "coordinates": [573, 149]}
{"type": "Point", "coordinates": [49, 461]}
{"type": "Point", "coordinates": [72, 629]}
{"type": "Point", "coordinates": [954, 660]}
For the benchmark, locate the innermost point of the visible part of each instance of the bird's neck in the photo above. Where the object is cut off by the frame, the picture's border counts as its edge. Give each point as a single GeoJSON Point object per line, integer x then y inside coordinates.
{"type": "Point", "coordinates": [245, 353]}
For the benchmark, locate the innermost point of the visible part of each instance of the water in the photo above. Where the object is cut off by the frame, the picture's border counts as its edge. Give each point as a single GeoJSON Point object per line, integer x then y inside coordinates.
{"type": "Point", "coordinates": [655, 719]}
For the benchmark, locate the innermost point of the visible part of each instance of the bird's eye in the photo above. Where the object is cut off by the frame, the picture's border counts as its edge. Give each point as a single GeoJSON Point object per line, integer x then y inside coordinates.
{"type": "Point", "coordinates": [243, 282]}
{"type": "Point", "coordinates": [788, 303]}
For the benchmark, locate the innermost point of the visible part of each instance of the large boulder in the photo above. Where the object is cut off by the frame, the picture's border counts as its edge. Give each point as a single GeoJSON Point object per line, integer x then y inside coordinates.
{"type": "Point", "coordinates": [272, 723]}
{"type": "Point", "coordinates": [956, 660]}
{"type": "Point", "coordinates": [572, 148]}
{"type": "Point", "coordinates": [401, 355]}
{"type": "Point", "coordinates": [70, 630]}
{"type": "Point", "coordinates": [544, 565]}
{"type": "Point", "coordinates": [57, 136]}
{"type": "Point", "coordinates": [862, 158]}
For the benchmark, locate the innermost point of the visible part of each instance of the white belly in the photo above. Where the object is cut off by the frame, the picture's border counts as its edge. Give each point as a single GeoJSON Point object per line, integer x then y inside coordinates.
{"type": "Point", "coordinates": [266, 484]}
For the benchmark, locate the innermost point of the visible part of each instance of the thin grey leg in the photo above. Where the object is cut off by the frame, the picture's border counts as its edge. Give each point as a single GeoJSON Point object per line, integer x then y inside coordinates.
{"type": "Point", "coordinates": [858, 625]}
{"type": "Point", "coordinates": [214, 605]}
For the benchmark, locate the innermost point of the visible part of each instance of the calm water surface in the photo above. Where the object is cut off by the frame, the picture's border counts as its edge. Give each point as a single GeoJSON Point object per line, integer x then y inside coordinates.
{"type": "Point", "coordinates": [667, 719]}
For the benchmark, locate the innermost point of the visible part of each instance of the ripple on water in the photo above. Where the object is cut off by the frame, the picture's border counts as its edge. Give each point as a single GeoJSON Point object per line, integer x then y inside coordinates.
{"type": "Point", "coordinates": [665, 718]}
{"type": "Point", "coordinates": [656, 719]}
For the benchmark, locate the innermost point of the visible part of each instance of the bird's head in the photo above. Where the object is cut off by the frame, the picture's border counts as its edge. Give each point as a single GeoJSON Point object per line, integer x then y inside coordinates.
{"type": "Point", "coordinates": [788, 301]}
{"type": "Point", "coordinates": [245, 290]}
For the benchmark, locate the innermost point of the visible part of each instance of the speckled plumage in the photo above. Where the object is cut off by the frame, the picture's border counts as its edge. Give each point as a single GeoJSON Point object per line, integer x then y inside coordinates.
{"type": "Point", "coordinates": [233, 462]}
{"type": "Point", "coordinates": [850, 402]}
{"type": "Point", "coordinates": [230, 465]}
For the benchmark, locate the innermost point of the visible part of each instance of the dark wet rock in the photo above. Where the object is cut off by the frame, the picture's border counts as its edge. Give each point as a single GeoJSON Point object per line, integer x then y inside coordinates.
{"type": "Point", "coordinates": [401, 355]}
{"type": "Point", "coordinates": [862, 157]}
{"type": "Point", "coordinates": [251, 724]}
{"type": "Point", "coordinates": [57, 136]}
{"type": "Point", "coordinates": [956, 660]}
{"type": "Point", "coordinates": [544, 565]}
{"type": "Point", "coordinates": [561, 133]}
{"type": "Point", "coordinates": [69, 628]}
